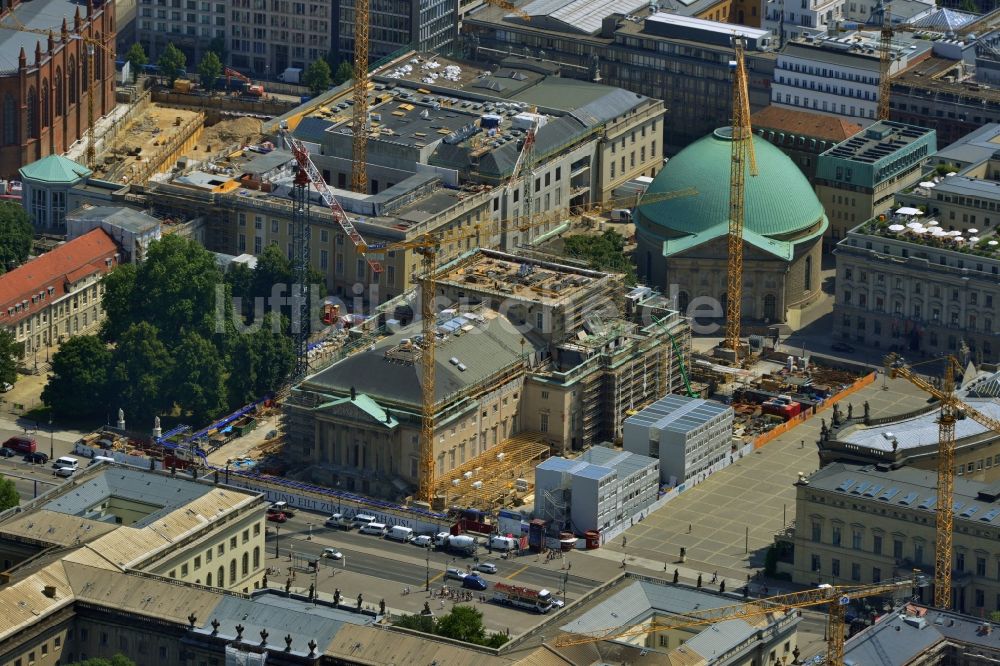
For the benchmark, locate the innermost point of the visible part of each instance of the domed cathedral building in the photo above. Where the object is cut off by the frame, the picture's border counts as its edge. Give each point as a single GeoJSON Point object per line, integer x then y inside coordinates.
{"type": "Point", "coordinates": [683, 242]}
{"type": "Point", "coordinates": [46, 79]}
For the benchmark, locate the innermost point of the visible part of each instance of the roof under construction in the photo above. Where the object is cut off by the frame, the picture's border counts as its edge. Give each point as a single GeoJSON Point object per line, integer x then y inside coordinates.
{"type": "Point", "coordinates": [471, 348]}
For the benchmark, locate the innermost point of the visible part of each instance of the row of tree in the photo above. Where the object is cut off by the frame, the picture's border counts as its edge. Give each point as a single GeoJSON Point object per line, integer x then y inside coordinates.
{"type": "Point", "coordinates": [172, 343]}
{"type": "Point", "coordinates": [318, 76]}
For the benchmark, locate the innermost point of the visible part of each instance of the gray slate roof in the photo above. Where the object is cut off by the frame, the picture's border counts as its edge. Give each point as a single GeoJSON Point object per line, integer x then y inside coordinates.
{"type": "Point", "coordinates": [37, 14]}
{"type": "Point", "coordinates": [169, 493]}
{"type": "Point", "coordinates": [902, 636]}
{"type": "Point", "coordinates": [914, 489]}
{"type": "Point", "coordinates": [280, 616]}
{"type": "Point", "coordinates": [485, 350]}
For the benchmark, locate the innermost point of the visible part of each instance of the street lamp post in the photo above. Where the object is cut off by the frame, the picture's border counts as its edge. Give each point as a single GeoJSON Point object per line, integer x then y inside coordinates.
{"type": "Point", "coordinates": [52, 443]}
{"type": "Point", "coordinates": [277, 532]}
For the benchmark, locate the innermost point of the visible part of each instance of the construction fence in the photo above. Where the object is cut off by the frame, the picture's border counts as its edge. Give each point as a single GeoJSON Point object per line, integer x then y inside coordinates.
{"type": "Point", "coordinates": [805, 416]}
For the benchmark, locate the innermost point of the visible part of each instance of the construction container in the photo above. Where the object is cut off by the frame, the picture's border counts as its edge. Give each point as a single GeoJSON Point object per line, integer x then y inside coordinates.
{"type": "Point", "coordinates": [593, 539]}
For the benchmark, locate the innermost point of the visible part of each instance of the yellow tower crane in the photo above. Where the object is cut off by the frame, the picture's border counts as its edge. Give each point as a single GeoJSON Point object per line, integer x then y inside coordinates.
{"type": "Point", "coordinates": [952, 409]}
{"type": "Point", "coordinates": [835, 598]}
{"type": "Point", "coordinates": [743, 157]}
{"type": "Point", "coordinates": [359, 171]}
{"type": "Point", "coordinates": [92, 45]}
{"type": "Point", "coordinates": [884, 65]}
{"type": "Point", "coordinates": [427, 246]}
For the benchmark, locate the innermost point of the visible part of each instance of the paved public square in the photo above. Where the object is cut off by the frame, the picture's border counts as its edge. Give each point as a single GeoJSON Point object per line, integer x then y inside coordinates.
{"type": "Point", "coordinates": [727, 522]}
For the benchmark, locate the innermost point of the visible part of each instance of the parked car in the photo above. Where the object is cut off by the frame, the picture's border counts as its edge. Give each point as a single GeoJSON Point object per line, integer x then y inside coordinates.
{"type": "Point", "coordinates": [455, 574]}
{"type": "Point", "coordinates": [841, 347]}
{"type": "Point", "coordinates": [486, 567]}
{"type": "Point", "coordinates": [36, 458]}
{"type": "Point", "coordinates": [281, 507]}
{"type": "Point", "coordinates": [5, 387]}
{"type": "Point", "coordinates": [558, 603]}
{"type": "Point", "coordinates": [65, 472]}
{"type": "Point", "coordinates": [424, 540]}
{"type": "Point", "coordinates": [475, 582]}
{"type": "Point", "coordinates": [22, 444]}
{"type": "Point", "coordinates": [7, 453]}
{"type": "Point", "coordinates": [277, 517]}
{"type": "Point", "coordinates": [333, 554]}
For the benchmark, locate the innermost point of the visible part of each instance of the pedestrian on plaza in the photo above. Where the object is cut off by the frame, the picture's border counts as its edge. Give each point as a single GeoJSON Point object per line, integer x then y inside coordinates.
{"type": "Point", "coordinates": [699, 580]}
{"type": "Point", "coordinates": [722, 587]}
{"type": "Point", "coordinates": [689, 528]}
{"type": "Point", "coordinates": [715, 577]}
{"type": "Point", "coordinates": [623, 563]}
{"type": "Point", "coordinates": [677, 575]}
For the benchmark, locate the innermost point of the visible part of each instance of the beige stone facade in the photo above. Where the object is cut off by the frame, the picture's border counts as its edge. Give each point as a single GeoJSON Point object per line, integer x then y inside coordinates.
{"type": "Point", "coordinates": [857, 524]}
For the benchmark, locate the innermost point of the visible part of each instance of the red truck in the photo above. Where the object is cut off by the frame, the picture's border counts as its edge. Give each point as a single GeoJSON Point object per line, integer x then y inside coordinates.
{"type": "Point", "coordinates": [21, 444]}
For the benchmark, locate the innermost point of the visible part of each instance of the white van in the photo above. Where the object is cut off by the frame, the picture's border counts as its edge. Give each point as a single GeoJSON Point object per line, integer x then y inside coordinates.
{"type": "Point", "coordinates": [66, 461]}
{"type": "Point", "coordinates": [377, 529]}
{"type": "Point", "coordinates": [621, 215]}
{"type": "Point", "coordinates": [400, 533]}
{"type": "Point", "coordinates": [362, 519]}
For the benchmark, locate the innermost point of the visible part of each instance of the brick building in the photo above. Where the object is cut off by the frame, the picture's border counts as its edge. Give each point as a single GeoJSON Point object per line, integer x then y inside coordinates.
{"type": "Point", "coordinates": [45, 81]}
{"type": "Point", "coordinates": [57, 295]}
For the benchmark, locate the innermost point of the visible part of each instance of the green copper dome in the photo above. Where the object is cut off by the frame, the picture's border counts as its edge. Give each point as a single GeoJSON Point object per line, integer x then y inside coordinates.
{"type": "Point", "coordinates": [780, 203]}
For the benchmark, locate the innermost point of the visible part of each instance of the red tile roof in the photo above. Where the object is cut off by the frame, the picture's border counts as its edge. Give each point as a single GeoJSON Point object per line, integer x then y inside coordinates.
{"type": "Point", "coordinates": [804, 123]}
{"type": "Point", "coordinates": [58, 269]}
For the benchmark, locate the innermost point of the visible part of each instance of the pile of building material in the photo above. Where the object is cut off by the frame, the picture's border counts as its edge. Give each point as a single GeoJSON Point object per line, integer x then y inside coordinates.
{"type": "Point", "coordinates": [499, 477]}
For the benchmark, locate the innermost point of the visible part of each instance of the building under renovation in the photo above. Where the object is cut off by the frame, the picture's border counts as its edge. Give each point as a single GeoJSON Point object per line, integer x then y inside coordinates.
{"type": "Point", "coordinates": [532, 358]}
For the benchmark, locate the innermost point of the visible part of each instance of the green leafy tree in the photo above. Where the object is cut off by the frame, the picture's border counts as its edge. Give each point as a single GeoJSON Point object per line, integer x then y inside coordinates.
{"type": "Point", "coordinates": [16, 234]}
{"type": "Point", "coordinates": [9, 496]}
{"type": "Point", "coordinates": [463, 623]}
{"type": "Point", "coordinates": [272, 268]}
{"type": "Point", "coordinates": [239, 277]}
{"type": "Point", "coordinates": [345, 72]}
{"type": "Point", "coordinates": [970, 7]}
{"type": "Point", "coordinates": [317, 76]}
{"type": "Point", "coordinates": [117, 660]}
{"type": "Point", "coordinates": [175, 288]}
{"type": "Point", "coordinates": [140, 368]}
{"type": "Point", "coordinates": [209, 70]}
{"type": "Point", "coordinates": [137, 58]}
{"type": "Point", "coordinates": [10, 351]}
{"type": "Point", "coordinates": [119, 285]}
{"type": "Point", "coordinates": [260, 361]}
{"type": "Point", "coordinates": [605, 252]}
{"type": "Point", "coordinates": [197, 381]}
{"type": "Point", "coordinates": [424, 623]}
{"type": "Point", "coordinates": [76, 387]}
{"type": "Point", "coordinates": [172, 62]}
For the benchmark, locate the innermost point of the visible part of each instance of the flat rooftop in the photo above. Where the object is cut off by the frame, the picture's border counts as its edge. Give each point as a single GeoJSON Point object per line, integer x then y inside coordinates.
{"type": "Point", "coordinates": [508, 275]}
{"type": "Point", "coordinates": [678, 413]}
{"type": "Point", "coordinates": [923, 232]}
{"type": "Point", "coordinates": [877, 142]}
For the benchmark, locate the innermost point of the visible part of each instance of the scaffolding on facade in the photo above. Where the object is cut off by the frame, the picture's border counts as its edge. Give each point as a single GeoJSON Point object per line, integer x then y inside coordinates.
{"type": "Point", "coordinates": [497, 476]}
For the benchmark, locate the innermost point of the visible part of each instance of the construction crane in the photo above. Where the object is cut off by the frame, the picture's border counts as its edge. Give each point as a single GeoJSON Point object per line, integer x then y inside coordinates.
{"type": "Point", "coordinates": [884, 64]}
{"type": "Point", "coordinates": [742, 158]}
{"type": "Point", "coordinates": [952, 409]}
{"type": "Point", "coordinates": [836, 598]}
{"type": "Point", "coordinates": [360, 124]}
{"type": "Point", "coordinates": [522, 176]}
{"type": "Point", "coordinates": [427, 246]}
{"type": "Point", "coordinates": [91, 46]}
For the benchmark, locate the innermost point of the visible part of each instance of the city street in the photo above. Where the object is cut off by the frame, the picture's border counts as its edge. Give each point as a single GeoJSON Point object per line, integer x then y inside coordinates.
{"type": "Point", "coordinates": [408, 565]}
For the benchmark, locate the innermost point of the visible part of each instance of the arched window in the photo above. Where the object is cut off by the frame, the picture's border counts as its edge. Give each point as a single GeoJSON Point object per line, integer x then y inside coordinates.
{"type": "Point", "coordinates": [808, 281]}
{"type": "Point", "coordinates": [9, 119]}
{"type": "Point", "coordinates": [208, 579]}
{"type": "Point", "coordinates": [232, 572]}
{"type": "Point", "coordinates": [256, 557]}
{"type": "Point", "coordinates": [57, 111]}
{"type": "Point", "coordinates": [45, 102]}
{"type": "Point", "coordinates": [72, 74]}
{"type": "Point", "coordinates": [32, 113]}
{"type": "Point", "coordinates": [222, 576]}
{"type": "Point", "coordinates": [246, 564]}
